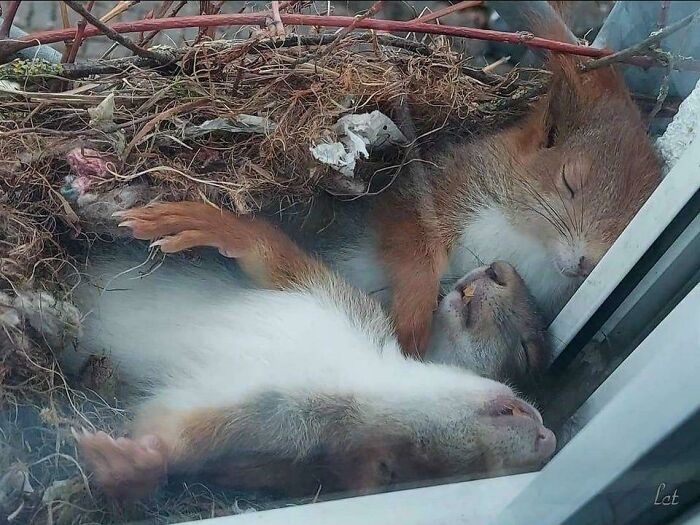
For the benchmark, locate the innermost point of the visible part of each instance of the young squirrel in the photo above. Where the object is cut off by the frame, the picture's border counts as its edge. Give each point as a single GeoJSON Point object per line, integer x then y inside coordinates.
{"type": "Point", "coordinates": [548, 194]}
{"type": "Point", "coordinates": [289, 387]}
{"type": "Point", "coordinates": [489, 324]}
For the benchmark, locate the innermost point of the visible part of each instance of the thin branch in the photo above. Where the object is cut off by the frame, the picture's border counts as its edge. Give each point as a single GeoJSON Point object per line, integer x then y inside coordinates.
{"type": "Point", "coordinates": [276, 19]}
{"type": "Point", "coordinates": [460, 6]}
{"type": "Point", "coordinates": [47, 37]}
{"type": "Point", "coordinates": [663, 14]}
{"type": "Point", "coordinates": [64, 14]}
{"type": "Point", "coordinates": [287, 4]}
{"type": "Point", "coordinates": [9, 18]}
{"type": "Point", "coordinates": [161, 13]}
{"type": "Point", "coordinates": [181, 22]}
{"type": "Point", "coordinates": [663, 90]}
{"type": "Point", "coordinates": [376, 7]}
{"type": "Point", "coordinates": [66, 23]}
{"type": "Point", "coordinates": [212, 8]}
{"type": "Point", "coordinates": [114, 35]}
{"type": "Point", "coordinates": [642, 47]}
{"type": "Point", "coordinates": [274, 27]}
{"type": "Point", "coordinates": [75, 45]}
{"type": "Point", "coordinates": [117, 10]}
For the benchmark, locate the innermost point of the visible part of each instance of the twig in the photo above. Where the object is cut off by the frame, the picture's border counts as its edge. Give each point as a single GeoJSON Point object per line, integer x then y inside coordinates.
{"type": "Point", "coordinates": [66, 23]}
{"type": "Point", "coordinates": [663, 14]}
{"type": "Point", "coordinates": [117, 10]}
{"type": "Point", "coordinates": [273, 25]}
{"type": "Point", "coordinates": [376, 7]}
{"type": "Point", "coordinates": [663, 89]}
{"type": "Point", "coordinates": [494, 65]}
{"type": "Point", "coordinates": [151, 124]}
{"type": "Point", "coordinates": [75, 45]}
{"type": "Point", "coordinates": [180, 22]}
{"type": "Point", "coordinates": [287, 4]}
{"type": "Point", "coordinates": [114, 35]}
{"type": "Point", "coordinates": [460, 6]}
{"type": "Point", "coordinates": [64, 14]}
{"type": "Point", "coordinates": [276, 19]}
{"type": "Point", "coordinates": [161, 13]}
{"type": "Point", "coordinates": [208, 8]}
{"type": "Point", "coordinates": [643, 46]}
{"type": "Point", "coordinates": [8, 18]}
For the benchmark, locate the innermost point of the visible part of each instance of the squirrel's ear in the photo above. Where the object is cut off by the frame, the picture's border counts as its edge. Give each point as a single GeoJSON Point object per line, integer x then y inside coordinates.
{"type": "Point", "coordinates": [548, 20]}
{"type": "Point", "coordinates": [584, 87]}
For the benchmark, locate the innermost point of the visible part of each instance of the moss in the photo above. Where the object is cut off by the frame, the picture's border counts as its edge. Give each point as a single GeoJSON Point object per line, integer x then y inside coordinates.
{"type": "Point", "coordinates": [23, 69]}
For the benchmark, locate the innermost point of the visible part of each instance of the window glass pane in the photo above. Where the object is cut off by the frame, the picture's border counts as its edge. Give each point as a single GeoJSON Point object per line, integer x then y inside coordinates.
{"type": "Point", "coordinates": [373, 226]}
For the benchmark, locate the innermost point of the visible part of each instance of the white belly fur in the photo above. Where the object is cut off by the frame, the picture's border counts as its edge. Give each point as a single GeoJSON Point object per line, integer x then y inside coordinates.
{"type": "Point", "coordinates": [490, 237]}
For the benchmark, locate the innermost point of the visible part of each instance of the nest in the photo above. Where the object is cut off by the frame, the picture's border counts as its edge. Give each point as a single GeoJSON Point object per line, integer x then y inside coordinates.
{"type": "Point", "coordinates": [131, 131]}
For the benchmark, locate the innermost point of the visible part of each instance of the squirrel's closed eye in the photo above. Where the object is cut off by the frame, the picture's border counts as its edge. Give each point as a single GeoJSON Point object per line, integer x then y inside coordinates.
{"type": "Point", "coordinates": [567, 185]}
{"type": "Point", "coordinates": [523, 347]}
{"type": "Point", "coordinates": [551, 136]}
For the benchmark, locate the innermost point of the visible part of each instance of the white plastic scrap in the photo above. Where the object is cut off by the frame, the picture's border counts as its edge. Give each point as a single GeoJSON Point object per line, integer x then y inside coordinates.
{"type": "Point", "coordinates": [102, 118]}
{"type": "Point", "coordinates": [55, 320]}
{"type": "Point", "coordinates": [239, 124]}
{"type": "Point", "coordinates": [102, 114]}
{"type": "Point", "coordinates": [8, 87]}
{"type": "Point", "coordinates": [682, 131]}
{"type": "Point", "coordinates": [357, 132]}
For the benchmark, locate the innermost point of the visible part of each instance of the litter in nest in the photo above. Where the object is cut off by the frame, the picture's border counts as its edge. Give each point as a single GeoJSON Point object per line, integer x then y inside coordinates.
{"type": "Point", "coordinates": [358, 132]}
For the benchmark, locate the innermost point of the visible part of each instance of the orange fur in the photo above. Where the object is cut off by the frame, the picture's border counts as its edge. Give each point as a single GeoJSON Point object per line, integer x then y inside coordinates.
{"type": "Point", "coordinates": [415, 259]}
{"type": "Point", "coordinates": [262, 250]}
{"type": "Point", "coordinates": [414, 255]}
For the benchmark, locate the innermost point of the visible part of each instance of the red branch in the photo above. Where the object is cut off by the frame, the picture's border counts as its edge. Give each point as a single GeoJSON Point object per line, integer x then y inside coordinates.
{"type": "Point", "coordinates": [9, 18]}
{"type": "Point", "coordinates": [257, 19]}
{"type": "Point", "coordinates": [82, 24]}
{"type": "Point", "coordinates": [180, 22]}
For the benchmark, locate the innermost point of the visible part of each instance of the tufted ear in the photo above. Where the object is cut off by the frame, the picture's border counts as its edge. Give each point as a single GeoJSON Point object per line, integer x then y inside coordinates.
{"type": "Point", "coordinates": [569, 88]}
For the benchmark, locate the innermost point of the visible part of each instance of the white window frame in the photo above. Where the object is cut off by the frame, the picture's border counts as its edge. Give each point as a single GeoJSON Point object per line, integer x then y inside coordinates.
{"type": "Point", "coordinates": [624, 409]}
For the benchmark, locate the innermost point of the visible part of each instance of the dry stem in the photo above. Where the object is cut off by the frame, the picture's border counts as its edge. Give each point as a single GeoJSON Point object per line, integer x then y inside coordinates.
{"type": "Point", "coordinates": [114, 35]}
{"type": "Point", "coordinates": [460, 6]}
{"type": "Point", "coordinates": [75, 45]}
{"type": "Point", "coordinates": [643, 46]}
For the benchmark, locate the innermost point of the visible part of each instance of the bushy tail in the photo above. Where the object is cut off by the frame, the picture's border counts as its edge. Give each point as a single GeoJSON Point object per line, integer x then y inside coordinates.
{"type": "Point", "coordinates": [143, 318]}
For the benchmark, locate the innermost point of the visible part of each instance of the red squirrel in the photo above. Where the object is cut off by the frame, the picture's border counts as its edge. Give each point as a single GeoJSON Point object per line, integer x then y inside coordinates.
{"type": "Point", "coordinates": [299, 384]}
{"type": "Point", "coordinates": [548, 194]}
